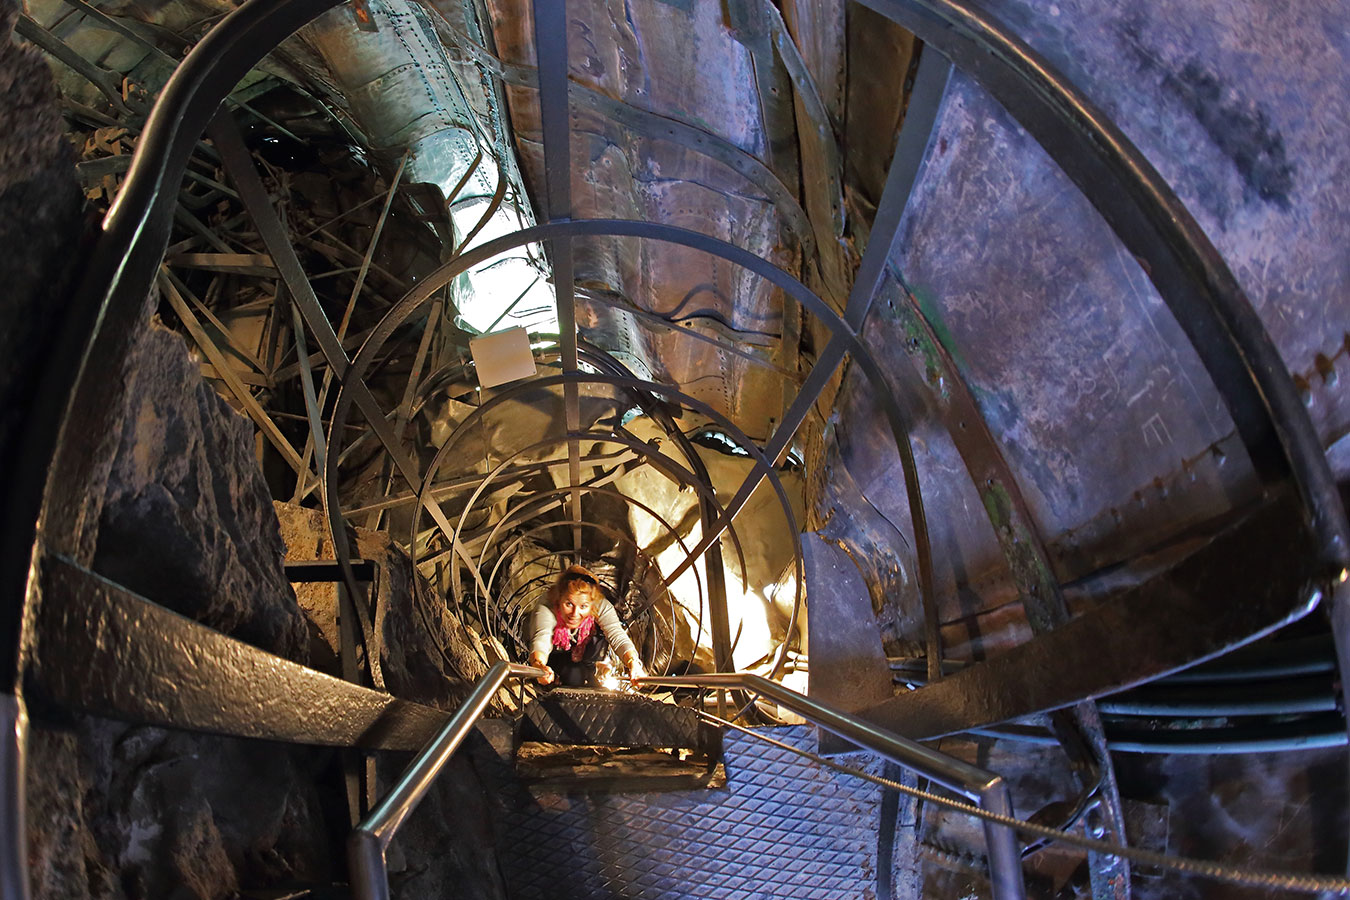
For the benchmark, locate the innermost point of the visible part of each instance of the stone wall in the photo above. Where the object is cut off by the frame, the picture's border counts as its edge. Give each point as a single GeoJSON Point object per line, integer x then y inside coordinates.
{"type": "Point", "coordinates": [118, 810]}
{"type": "Point", "coordinates": [425, 653]}
{"type": "Point", "coordinates": [127, 811]}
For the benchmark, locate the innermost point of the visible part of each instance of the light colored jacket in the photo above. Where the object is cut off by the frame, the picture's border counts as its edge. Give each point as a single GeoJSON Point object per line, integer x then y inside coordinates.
{"type": "Point", "coordinates": [545, 621]}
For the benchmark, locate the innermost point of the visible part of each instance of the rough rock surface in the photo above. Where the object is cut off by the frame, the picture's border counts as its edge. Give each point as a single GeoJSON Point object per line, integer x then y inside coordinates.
{"type": "Point", "coordinates": [40, 212]}
{"type": "Point", "coordinates": [447, 848]}
{"type": "Point", "coordinates": [128, 811]}
{"type": "Point", "coordinates": [425, 653]}
{"type": "Point", "coordinates": [125, 811]}
{"type": "Point", "coordinates": [187, 520]}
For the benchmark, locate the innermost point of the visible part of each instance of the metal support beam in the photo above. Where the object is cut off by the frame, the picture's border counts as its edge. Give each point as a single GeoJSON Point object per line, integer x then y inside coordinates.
{"type": "Point", "coordinates": [822, 167]}
{"type": "Point", "coordinates": [900, 179]}
{"type": "Point", "coordinates": [235, 156]}
{"type": "Point", "coordinates": [709, 509]}
{"type": "Point", "coordinates": [1149, 219]}
{"type": "Point", "coordinates": [1245, 583]}
{"type": "Point", "coordinates": [107, 82]}
{"type": "Point", "coordinates": [143, 663]}
{"type": "Point", "coordinates": [461, 483]}
{"type": "Point", "coordinates": [227, 374]}
{"type": "Point", "coordinates": [550, 41]}
{"type": "Point", "coordinates": [1019, 538]}
{"type": "Point", "coordinates": [325, 571]}
{"type": "Point", "coordinates": [313, 406]}
{"type": "Point", "coordinates": [315, 444]}
{"type": "Point", "coordinates": [641, 388]}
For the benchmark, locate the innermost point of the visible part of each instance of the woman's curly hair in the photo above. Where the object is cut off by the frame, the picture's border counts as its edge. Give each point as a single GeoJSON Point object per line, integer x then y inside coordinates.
{"type": "Point", "coordinates": [572, 580]}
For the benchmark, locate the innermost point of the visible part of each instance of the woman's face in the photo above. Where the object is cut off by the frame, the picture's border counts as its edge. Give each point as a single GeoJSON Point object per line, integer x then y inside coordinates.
{"type": "Point", "coordinates": [574, 607]}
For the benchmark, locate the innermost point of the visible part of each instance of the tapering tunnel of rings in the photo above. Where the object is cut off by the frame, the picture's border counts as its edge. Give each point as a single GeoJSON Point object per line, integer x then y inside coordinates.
{"type": "Point", "coordinates": [686, 269]}
{"type": "Point", "coordinates": [670, 433]}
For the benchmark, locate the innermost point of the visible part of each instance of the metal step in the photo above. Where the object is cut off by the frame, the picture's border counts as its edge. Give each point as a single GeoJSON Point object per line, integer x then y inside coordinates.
{"type": "Point", "coordinates": [575, 767]}
{"type": "Point", "coordinates": [607, 718]}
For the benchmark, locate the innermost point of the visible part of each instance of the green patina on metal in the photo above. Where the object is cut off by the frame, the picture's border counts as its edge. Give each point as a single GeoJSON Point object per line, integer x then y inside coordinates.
{"type": "Point", "coordinates": [918, 339]}
{"type": "Point", "coordinates": [998, 504]}
{"type": "Point", "coordinates": [926, 306]}
{"type": "Point", "coordinates": [1041, 596]}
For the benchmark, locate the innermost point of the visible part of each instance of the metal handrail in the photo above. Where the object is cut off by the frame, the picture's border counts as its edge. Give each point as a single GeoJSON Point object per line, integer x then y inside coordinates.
{"type": "Point", "coordinates": [13, 834]}
{"type": "Point", "coordinates": [370, 840]}
{"type": "Point", "coordinates": [987, 790]}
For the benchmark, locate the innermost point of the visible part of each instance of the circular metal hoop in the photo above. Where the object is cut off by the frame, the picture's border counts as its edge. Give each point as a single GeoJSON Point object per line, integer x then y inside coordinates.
{"type": "Point", "coordinates": [799, 558]}
{"type": "Point", "coordinates": [841, 330]}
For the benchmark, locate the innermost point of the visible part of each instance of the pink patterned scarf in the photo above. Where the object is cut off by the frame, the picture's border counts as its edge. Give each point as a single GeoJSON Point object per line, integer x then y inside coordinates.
{"type": "Point", "coordinates": [562, 637]}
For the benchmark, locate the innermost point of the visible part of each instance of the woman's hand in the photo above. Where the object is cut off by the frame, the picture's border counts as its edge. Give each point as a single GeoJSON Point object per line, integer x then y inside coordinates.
{"type": "Point", "coordinates": [635, 669]}
{"type": "Point", "coordinates": [538, 661]}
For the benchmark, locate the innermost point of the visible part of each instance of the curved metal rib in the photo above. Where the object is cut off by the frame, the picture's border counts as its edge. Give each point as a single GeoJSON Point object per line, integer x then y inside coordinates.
{"type": "Point", "coordinates": [46, 490]}
{"type": "Point", "coordinates": [344, 406]}
{"type": "Point", "coordinates": [844, 338]}
{"type": "Point", "coordinates": [1149, 219]}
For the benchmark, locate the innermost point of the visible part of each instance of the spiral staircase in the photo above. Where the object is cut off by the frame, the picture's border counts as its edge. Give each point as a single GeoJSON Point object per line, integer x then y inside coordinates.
{"type": "Point", "coordinates": [892, 458]}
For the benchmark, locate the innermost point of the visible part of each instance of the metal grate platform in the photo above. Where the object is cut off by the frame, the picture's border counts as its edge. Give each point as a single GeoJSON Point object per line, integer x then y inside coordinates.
{"type": "Point", "coordinates": [782, 828]}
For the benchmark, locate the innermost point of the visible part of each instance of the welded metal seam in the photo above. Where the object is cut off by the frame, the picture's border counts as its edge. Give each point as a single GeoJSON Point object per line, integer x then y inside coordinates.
{"type": "Point", "coordinates": [533, 384]}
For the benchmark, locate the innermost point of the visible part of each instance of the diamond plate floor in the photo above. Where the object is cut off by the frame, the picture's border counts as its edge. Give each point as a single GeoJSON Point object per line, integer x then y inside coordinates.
{"type": "Point", "coordinates": [782, 828]}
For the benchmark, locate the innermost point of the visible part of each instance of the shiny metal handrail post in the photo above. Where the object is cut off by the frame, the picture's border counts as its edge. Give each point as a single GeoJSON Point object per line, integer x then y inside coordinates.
{"type": "Point", "coordinates": [1005, 859]}
{"type": "Point", "coordinates": [986, 789]}
{"type": "Point", "coordinates": [370, 840]}
{"type": "Point", "coordinates": [13, 835]}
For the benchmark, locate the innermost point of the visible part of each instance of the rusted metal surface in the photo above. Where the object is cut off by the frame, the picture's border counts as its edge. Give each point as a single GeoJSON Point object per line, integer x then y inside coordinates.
{"type": "Point", "coordinates": [848, 664]}
{"type": "Point", "coordinates": [1245, 583]}
{"type": "Point", "coordinates": [1028, 562]}
{"type": "Point", "coordinates": [1189, 274]}
{"type": "Point", "coordinates": [633, 128]}
{"type": "Point", "coordinates": [644, 174]}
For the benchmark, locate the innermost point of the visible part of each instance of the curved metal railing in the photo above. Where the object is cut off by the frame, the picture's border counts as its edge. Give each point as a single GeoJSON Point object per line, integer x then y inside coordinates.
{"type": "Point", "coordinates": [368, 843]}
{"type": "Point", "coordinates": [48, 480]}
{"type": "Point", "coordinates": [370, 840]}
